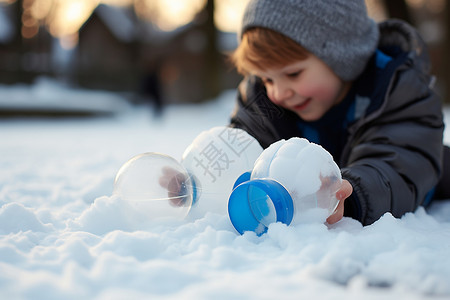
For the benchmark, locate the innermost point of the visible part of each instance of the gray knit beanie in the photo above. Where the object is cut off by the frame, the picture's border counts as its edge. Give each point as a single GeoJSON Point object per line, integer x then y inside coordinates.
{"type": "Point", "coordinates": [339, 32]}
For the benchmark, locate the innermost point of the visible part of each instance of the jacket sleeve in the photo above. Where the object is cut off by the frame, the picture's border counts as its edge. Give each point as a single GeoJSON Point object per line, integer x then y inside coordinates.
{"type": "Point", "coordinates": [254, 113]}
{"type": "Point", "coordinates": [394, 160]}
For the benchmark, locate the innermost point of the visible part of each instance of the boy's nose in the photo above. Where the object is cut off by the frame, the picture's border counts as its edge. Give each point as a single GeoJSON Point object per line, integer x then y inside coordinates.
{"type": "Point", "coordinates": [281, 92]}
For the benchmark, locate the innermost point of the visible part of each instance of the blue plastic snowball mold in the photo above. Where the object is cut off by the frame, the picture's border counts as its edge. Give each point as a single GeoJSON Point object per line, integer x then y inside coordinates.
{"type": "Point", "coordinates": [254, 204]}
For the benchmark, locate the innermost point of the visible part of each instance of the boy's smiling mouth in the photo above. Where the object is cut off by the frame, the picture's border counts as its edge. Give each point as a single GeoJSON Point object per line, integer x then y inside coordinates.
{"type": "Point", "coordinates": [303, 105]}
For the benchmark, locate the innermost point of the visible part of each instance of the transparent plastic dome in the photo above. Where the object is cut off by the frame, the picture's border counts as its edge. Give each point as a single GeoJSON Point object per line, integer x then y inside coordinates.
{"type": "Point", "coordinates": [201, 182]}
{"type": "Point", "coordinates": [215, 159]}
{"type": "Point", "coordinates": [155, 184]}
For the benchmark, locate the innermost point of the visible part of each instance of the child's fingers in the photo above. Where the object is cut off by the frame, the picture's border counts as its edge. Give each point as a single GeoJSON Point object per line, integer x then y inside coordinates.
{"type": "Point", "coordinates": [343, 193]}
{"type": "Point", "coordinates": [167, 176]}
{"type": "Point", "coordinates": [338, 213]}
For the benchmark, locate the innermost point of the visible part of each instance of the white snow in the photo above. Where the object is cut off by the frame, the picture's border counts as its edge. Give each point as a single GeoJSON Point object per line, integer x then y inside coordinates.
{"type": "Point", "coordinates": [49, 96]}
{"type": "Point", "coordinates": [63, 236]}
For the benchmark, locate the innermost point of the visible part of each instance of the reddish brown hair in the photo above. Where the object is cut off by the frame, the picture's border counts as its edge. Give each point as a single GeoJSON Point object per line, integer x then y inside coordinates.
{"type": "Point", "coordinates": [262, 48]}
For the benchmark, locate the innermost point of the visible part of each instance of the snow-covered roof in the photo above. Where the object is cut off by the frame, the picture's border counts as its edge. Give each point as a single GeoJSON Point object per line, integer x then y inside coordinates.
{"type": "Point", "coordinates": [127, 27]}
{"type": "Point", "coordinates": [151, 33]}
{"type": "Point", "coordinates": [120, 20]}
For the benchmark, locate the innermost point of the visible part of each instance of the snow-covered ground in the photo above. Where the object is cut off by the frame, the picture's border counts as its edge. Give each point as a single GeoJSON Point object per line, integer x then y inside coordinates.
{"type": "Point", "coordinates": [63, 236]}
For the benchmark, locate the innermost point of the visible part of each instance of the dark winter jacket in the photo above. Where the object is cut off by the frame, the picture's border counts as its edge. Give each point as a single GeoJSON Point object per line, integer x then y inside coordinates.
{"type": "Point", "coordinates": [386, 135]}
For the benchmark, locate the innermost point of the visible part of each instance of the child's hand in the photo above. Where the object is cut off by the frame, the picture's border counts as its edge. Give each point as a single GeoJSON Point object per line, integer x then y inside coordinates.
{"type": "Point", "coordinates": [174, 182]}
{"type": "Point", "coordinates": [343, 193]}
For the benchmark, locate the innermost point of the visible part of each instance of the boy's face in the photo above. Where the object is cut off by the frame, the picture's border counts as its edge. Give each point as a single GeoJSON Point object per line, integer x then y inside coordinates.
{"type": "Point", "coordinates": [307, 87]}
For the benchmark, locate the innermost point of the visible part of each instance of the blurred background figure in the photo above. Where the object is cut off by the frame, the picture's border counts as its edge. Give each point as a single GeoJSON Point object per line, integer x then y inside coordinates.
{"type": "Point", "coordinates": [150, 88]}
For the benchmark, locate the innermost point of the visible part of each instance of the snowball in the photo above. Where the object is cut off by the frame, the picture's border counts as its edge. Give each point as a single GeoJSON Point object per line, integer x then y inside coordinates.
{"type": "Point", "coordinates": [305, 169]}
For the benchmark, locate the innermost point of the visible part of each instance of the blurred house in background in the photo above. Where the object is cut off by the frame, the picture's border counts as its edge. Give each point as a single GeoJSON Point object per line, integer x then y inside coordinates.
{"type": "Point", "coordinates": [432, 20]}
{"type": "Point", "coordinates": [116, 49]}
{"type": "Point", "coordinates": [21, 60]}
{"type": "Point", "coordinates": [107, 54]}
{"type": "Point", "coordinates": [6, 40]}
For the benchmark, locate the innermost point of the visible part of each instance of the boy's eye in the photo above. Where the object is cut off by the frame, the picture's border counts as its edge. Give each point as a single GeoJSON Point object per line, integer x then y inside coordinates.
{"type": "Point", "coordinates": [293, 74]}
{"type": "Point", "coordinates": [267, 80]}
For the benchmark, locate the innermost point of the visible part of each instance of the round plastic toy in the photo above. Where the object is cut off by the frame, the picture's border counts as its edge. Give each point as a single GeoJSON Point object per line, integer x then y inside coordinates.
{"type": "Point", "coordinates": [161, 187]}
{"type": "Point", "coordinates": [215, 159]}
{"type": "Point", "coordinates": [290, 180]}
{"type": "Point", "coordinates": [156, 185]}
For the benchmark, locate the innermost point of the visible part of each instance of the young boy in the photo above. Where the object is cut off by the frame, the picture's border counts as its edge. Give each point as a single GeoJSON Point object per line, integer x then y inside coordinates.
{"type": "Point", "coordinates": [325, 71]}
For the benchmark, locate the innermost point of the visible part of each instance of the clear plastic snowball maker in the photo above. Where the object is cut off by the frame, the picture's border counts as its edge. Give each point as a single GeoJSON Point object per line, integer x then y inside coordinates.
{"type": "Point", "coordinates": [291, 180]}
{"type": "Point", "coordinates": [156, 185]}
{"type": "Point", "coordinates": [161, 187]}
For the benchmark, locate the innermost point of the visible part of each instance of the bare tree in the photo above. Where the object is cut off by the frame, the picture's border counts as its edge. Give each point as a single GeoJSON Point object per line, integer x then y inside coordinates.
{"type": "Point", "coordinates": [398, 9]}
{"type": "Point", "coordinates": [446, 69]}
{"type": "Point", "coordinates": [212, 53]}
{"type": "Point", "coordinates": [18, 44]}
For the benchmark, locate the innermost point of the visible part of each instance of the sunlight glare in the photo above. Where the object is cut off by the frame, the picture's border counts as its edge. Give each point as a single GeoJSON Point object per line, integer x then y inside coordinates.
{"type": "Point", "coordinates": [65, 17]}
{"type": "Point", "coordinates": [228, 14]}
{"type": "Point", "coordinates": [171, 14]}
{"type": "Point", "coordinates": [41, 8]}
{"type": "Point", "coordinates": [415, 3]}
{"type": "Point", "coordinates": [117, 2]}
{"type": "Point", "coordinates": [70, 15]}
